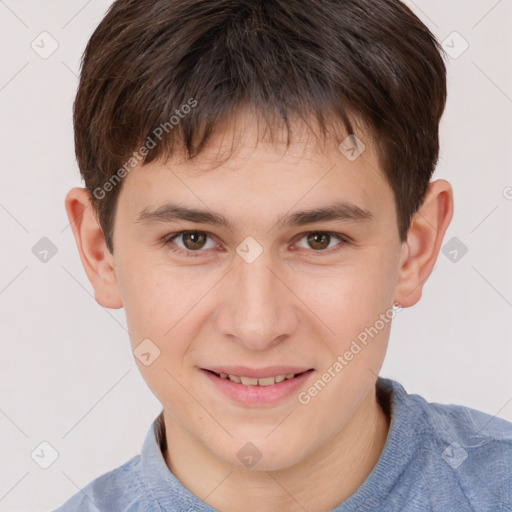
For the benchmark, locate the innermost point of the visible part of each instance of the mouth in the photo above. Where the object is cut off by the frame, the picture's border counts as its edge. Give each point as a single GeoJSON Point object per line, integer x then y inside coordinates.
{"type": "Point", "coordinates": [253, 381]}
{"type": "Point", "coordinates": [258, 391]}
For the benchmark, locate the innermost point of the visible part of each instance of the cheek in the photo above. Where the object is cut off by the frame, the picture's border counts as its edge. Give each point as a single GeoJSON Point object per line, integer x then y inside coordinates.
{"type": "Point", "coordinates": [163, 305]}
{"type": "Point", "coordinates": [148, 299]}
{"type": "Point", "coordinates": [156, 308]}
{"type": "Point", "coordinates": [350, 297]}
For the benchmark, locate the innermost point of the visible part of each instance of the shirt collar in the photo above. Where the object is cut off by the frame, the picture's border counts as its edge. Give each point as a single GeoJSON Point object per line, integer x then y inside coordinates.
{"type": "Point", "coordinates": [164, 491]}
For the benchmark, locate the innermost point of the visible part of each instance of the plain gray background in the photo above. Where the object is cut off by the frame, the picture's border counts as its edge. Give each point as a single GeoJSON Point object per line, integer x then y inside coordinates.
{"type": "Point", "coordinates": [67, 373]}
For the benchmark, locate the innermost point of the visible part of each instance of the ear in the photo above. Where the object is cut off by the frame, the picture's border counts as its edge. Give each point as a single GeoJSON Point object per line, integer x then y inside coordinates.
{"type": "Point", "coordinates": [424, 239]}
{"type": "Point", "coordinates": [97, 260]}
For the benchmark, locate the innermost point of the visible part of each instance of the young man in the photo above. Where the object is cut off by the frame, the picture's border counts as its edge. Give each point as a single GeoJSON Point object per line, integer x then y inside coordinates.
{"type": "Point", "coordinates": [258, 199]}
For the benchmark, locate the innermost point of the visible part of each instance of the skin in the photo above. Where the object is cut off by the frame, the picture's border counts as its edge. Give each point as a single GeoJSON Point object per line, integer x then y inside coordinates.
{"type": "Point", "coordinates": [293, 305]}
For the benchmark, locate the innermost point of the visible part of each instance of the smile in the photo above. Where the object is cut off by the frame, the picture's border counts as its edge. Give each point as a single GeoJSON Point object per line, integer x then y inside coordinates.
{"type": "Point", "coordinates": [257, 391]}
{"type": "Point", "coordinates": [252, 381]}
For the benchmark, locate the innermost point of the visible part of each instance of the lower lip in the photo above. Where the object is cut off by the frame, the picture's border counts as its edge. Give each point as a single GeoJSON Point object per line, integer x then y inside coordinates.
{"type": "Point", "coordinates": [258, 395]}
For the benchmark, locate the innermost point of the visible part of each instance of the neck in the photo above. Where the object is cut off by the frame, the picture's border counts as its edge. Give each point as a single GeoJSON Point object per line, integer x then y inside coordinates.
{"type": "Point", "coordinates": [333, 472]}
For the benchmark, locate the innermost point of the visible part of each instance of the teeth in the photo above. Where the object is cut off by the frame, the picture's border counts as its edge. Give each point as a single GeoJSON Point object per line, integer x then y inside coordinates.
{"type": "Point", "coordinates": [249, 381]}
{"type": "Point", "coordinates": [253, 381]}
{"type": "Point", "coordinates": [267, 381]}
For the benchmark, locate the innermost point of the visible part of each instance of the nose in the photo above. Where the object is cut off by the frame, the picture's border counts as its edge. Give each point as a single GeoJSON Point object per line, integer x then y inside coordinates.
{"type": "Point", "coordinates": [259, 310]}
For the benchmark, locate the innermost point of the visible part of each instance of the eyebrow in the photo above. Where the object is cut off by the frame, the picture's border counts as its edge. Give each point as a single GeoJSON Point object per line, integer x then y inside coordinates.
{"type": "Point", "coordinates": [341, 211]}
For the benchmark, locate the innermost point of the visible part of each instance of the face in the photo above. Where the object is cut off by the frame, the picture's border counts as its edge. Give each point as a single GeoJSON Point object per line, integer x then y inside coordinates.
{"type": "Point", "coordinates": [267, 288]}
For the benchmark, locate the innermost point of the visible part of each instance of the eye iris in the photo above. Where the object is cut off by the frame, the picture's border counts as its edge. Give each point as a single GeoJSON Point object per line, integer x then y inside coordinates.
{"type": "Point", "coordinates": [195, 243]}
{"type": "Point", "coordinates": [312, 238]}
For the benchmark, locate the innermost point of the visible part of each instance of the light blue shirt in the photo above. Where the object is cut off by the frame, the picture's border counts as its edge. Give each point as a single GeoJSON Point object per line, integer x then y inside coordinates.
{"type": "Point", "coordinates": [443, 458]}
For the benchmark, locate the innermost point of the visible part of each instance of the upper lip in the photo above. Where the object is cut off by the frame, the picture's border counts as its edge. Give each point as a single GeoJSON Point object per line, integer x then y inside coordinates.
{"type": "Point", "coordinates": [258, 373]}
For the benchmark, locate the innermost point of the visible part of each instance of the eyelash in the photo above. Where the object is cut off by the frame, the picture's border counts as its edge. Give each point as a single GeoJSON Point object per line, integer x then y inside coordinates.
{"type": "Point", "coordinates": [168, 240]}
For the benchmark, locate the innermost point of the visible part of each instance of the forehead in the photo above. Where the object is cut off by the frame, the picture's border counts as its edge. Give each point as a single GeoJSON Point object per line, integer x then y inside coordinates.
{"type": "Point", "coordinates": [249, 167]}
{"type": "Point", "coordinates": [247, 135]}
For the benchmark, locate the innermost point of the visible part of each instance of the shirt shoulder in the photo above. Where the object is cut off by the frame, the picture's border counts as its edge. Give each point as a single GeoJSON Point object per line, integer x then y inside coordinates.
{"type": "Point", "coordinates": [471, 453]}
{"type": "Point", "coordinates": [465, 421]}
{"type": "Point", "coordinates": [121, 489]}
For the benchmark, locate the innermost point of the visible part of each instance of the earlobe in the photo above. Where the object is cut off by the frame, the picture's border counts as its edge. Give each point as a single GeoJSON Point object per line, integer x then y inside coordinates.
{"type": "Point", "coordinates": [424, 238]}
{"type": "Point", "coordinates": [96, 258]}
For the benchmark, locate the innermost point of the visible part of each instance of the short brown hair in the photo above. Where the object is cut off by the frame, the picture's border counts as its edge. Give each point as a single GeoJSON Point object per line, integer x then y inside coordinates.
{"type": "Point", "coordinates": [147, 59]}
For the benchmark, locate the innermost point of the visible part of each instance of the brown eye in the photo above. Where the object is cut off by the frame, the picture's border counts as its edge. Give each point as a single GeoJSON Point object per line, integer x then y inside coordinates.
{"type": "Point", "coordinates": [319, 240]}
{"type": "Point", "coordinates": [189, 243]}
{"type": "Point", "coordinates": [323, 241]}
{"type": "Point", "coordinates": [194, 240]}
